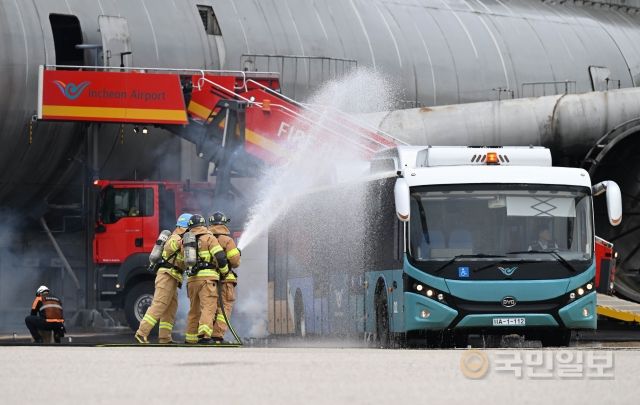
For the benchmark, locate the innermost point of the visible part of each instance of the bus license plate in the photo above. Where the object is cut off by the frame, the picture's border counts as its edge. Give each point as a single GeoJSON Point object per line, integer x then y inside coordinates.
{"type": "Point", "coordinates": [509, 322]}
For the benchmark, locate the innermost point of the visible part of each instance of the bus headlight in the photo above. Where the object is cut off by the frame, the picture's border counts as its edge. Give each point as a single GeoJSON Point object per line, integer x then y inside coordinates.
{"type": "Point", "coordinates": [582, 290]}
{"type": "Point", "coordinates": [417, 287]}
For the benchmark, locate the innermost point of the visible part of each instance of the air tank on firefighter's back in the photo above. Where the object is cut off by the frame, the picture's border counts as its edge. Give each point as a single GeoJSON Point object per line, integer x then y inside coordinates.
{"type": "Point", "coordinates": [39, 158]}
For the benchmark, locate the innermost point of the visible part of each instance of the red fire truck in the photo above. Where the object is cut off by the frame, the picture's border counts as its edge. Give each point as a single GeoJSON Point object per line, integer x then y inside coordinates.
{"type": "Point", "coordinates": [605, 266]}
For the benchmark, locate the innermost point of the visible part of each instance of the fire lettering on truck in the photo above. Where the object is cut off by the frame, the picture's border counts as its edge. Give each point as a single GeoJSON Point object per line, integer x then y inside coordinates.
{"type": "Point", "coordinates": [289, 131]}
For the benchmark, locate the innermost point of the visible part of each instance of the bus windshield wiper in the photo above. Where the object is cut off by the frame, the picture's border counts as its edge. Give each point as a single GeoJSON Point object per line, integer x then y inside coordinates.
{"type": "Point", "coordinates": [553, 253]}
{"type": "Point", "coordinates": [490, 265]}
{"type": "Point", "coordinates": [458, 257]}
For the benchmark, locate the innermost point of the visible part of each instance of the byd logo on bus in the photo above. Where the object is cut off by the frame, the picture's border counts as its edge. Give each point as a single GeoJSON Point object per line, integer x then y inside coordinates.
{"type": "Point", "coordinates": [508, 302]}
{"type": "Point", "coordinates": [71, 90]}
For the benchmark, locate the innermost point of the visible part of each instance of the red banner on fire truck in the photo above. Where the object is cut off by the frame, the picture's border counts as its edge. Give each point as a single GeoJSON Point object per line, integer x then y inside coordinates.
{"type": "Point", "coordinates": [132, 97]}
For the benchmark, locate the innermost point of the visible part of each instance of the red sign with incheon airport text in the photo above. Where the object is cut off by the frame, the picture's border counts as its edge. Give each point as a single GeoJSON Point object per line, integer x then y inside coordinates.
{"type": "Point", "coordinates": [132, 97]}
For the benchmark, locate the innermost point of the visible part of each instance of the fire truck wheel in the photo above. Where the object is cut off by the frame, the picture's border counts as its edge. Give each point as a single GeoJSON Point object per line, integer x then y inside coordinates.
{"type": "Point", "coordinates": [136, 302]}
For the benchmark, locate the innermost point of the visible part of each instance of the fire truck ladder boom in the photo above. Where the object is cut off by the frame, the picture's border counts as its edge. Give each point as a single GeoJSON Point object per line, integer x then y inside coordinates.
{"type": "Point", "coordinates": [354, 122]}
{"type": "Point", "coordinates": [344, 127]}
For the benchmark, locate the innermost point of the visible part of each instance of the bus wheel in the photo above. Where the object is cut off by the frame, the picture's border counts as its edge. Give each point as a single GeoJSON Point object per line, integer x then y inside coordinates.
{"type": "Point", "coordinates": [383, 336]}
{"type": "Point", "coordinates": [434, 339]}
{"type": "Point", "coordinates": [298, 313]}
{"type": "Point", "coordinates": [556, 337]}
{"type": "Point", "coordinates": [136, 302]}
{"type": "Point", "coordinates": [459, 339]}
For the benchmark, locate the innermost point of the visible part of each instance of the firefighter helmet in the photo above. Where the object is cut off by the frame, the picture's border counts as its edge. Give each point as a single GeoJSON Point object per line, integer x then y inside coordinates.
{"type": "Point", "coordinates": [218, 218]}
{"type": "Point", "coordinates": [42, 289]}
{"type": "Point", "coordinates": [183, 220]}
{"type": "Point", "coordinates": [196, 220]}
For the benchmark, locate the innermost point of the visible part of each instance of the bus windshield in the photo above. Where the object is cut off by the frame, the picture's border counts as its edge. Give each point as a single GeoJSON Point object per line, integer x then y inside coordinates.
{"type": "Point", "coordinates": [485, 222]}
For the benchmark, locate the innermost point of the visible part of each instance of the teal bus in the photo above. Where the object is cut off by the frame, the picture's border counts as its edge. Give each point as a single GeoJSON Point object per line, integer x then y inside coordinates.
{"type": "Point", "coordinates": [449, 242]}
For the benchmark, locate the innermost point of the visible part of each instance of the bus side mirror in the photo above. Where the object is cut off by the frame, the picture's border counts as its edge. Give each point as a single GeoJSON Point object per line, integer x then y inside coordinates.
{"type": "Point", "coordinates": [614, 200]}
{"type": "Point", "coordinates": [401, 194]}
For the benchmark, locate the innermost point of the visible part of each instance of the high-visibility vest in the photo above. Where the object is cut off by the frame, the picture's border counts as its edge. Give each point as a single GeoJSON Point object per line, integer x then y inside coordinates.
{"type": "Point", "coordinates": [51, 309]}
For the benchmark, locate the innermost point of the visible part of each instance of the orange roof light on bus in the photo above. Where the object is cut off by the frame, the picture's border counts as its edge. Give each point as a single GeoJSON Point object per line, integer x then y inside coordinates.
{"type": "Point", "coordinates": [492, 158]}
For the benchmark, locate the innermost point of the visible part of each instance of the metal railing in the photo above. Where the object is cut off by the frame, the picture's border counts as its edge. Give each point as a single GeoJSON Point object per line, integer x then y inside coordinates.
{"type": "Point", "coordinates": [408, 104]}
{"type": "Point", "coordinates": [317, 69]}
{"type": "Point", "coordinates": [303, 118]}
{"type": "Point", "coordinates": [569, 86]}
{"type": "Point", "coordinates": [245, 75]}
{"type": "Point", "coordinates": [500, 91]}
{"type": "Point", "coordinates": [615, 83]}
{"type": "Point", "coordinates": [623, 5]}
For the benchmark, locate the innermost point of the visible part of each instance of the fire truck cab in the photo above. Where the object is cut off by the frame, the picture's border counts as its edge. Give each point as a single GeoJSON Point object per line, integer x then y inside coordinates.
{"type": "Point", "coordinates": [129, 217]}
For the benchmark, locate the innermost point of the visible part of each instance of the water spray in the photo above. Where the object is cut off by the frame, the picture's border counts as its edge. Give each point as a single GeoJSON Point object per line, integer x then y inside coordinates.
{"type": "Point", "coordinates": [315, 159]}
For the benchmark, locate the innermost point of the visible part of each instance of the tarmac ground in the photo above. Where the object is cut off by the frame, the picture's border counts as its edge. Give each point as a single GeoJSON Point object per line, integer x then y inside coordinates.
{"type": "Point", "coordinates": [156, 375]}
{"type": "Point", "coordinates": [95, 367]}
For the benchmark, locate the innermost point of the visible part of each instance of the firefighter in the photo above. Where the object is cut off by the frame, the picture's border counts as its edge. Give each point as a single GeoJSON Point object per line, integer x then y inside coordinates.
{"type": "Point", "coordinates": [46, 314]}
{"type": "Point", "coordinates": [210, 265]}
{"type": "Point", "coordinates": [168, 280]}
{"type": "Point", "coordinates": [218, 226]}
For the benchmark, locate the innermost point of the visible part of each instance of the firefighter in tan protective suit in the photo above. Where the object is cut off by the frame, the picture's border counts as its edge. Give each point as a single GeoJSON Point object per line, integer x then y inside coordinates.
{"type": "Point", "coordinates": [210, 265]}
{"type": "Point", "coordinates": [218, 226]}
{"type": "Point", "coordinates": [168, 280]}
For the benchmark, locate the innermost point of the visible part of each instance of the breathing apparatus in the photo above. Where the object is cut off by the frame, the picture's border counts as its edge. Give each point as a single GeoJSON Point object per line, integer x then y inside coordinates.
{"type": "Point", "coordinates": [156, 253]}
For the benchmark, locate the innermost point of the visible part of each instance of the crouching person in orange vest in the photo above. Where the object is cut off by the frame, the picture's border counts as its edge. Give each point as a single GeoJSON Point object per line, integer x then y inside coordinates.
{"type": "Point", "coordinates": [209, 262]}
{"type": "Point", "coordinates": [218, 226]}
{"type": "Point", "coordinates": [46, 314]}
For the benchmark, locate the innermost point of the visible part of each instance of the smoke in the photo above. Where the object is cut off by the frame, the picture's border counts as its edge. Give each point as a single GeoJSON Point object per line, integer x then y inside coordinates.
{"type": "Point", "coordinates": [320, 187]}
{"type": "Point", "coordinates": [28, 260]}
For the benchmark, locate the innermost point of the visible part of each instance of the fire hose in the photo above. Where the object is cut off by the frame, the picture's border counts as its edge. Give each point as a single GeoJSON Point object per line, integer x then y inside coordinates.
{"type": "Point", "coordinates": [224, 314]}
